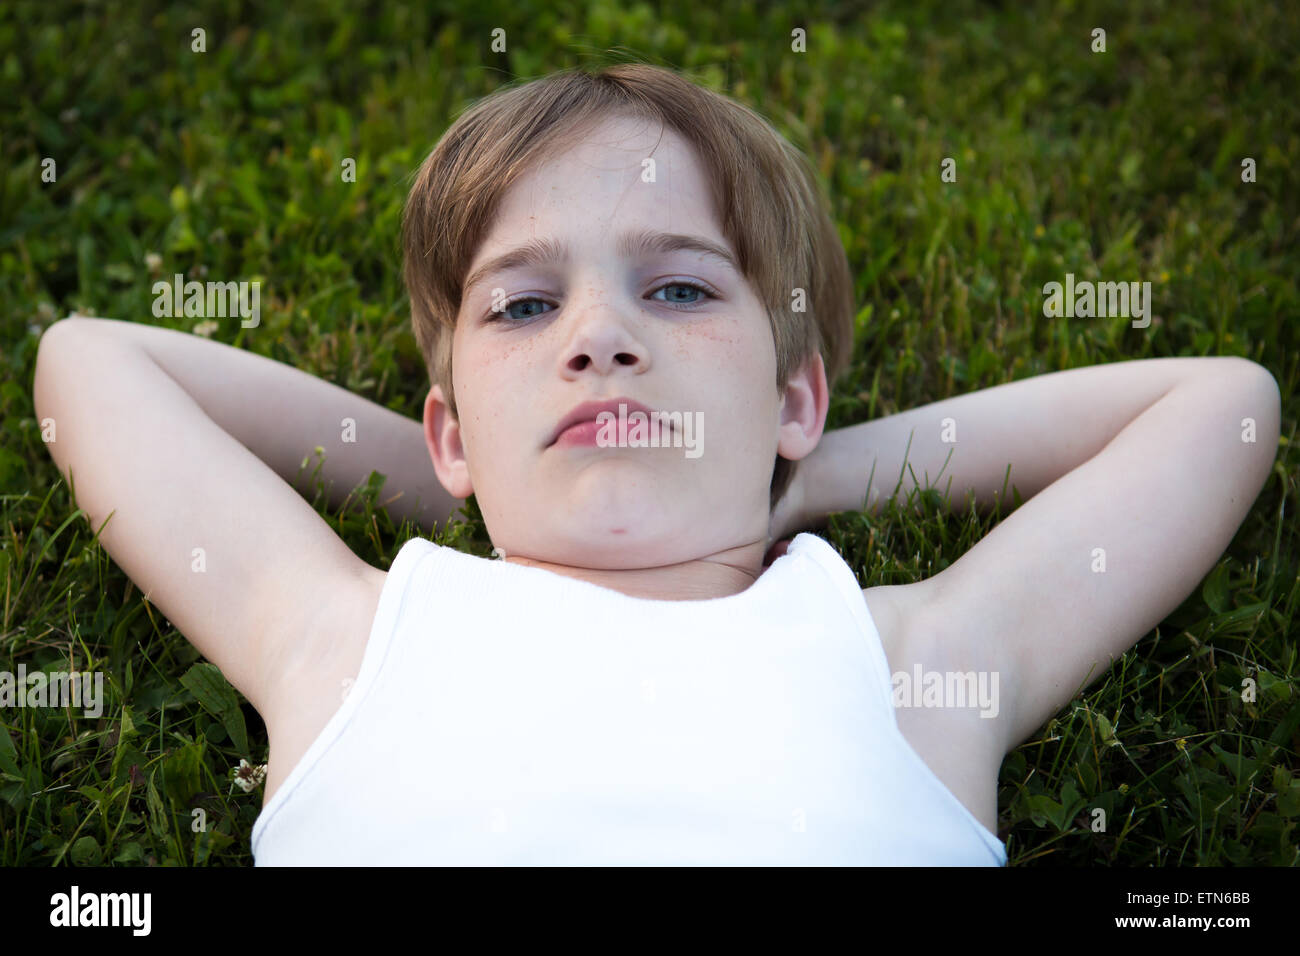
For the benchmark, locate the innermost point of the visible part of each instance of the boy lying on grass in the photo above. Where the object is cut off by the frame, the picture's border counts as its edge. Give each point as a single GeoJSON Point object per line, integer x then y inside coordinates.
{"type": "Point", "coordinates": [633, 683]}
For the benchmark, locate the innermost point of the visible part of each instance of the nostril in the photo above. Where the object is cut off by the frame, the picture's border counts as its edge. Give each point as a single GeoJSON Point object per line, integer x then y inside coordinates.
{"type": "Point", "coordinates": [626, 358]}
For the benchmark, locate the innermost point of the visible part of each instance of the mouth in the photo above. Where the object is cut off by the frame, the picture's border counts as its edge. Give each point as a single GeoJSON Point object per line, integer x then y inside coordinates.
{"type": "Point", "coordinates": [580, 426]}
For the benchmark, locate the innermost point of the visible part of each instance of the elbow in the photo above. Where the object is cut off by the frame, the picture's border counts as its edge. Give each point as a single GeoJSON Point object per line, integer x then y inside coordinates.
{"type": "Point", "coordinates": [1268, 396]}
{"type": "Point", "coordinates": [45, 350]}
{"type": "Point", "coordinates": [1261, 412]}
{"type": "Point", "coordinates": [51, 376]}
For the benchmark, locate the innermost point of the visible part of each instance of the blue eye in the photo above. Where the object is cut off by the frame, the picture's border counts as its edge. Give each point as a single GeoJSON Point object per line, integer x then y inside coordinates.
{"type": "Point", "coordinates": [494, 315]}
{"type": "Point", "coordinates": [514, 302]}
{"type": "Point", "coordinates": [684, 285]}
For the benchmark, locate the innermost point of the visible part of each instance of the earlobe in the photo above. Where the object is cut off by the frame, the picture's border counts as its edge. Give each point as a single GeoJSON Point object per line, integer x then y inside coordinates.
{"type": "Point", "coordinates": [806, 399]}
{"type": "Point", "coordinates": [442, 437]}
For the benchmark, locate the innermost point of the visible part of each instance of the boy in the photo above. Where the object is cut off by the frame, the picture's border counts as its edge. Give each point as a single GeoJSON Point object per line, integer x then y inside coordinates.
{"type": "Point", "coordinates": [731, 711]}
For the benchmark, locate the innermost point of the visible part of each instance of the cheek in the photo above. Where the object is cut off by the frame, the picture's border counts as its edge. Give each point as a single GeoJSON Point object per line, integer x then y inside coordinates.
{"type": "Point", "coordinates": [493, 426]}
{"type": "Point", "coordinates": [730, 357]}
{"type": "Point", "coordinates": [496, 364]}
{"type": "Point", "coordinates": [480, 373]}
{"type": "Point", "coordinates": [720, 338]}
{"type": "Point", "coordinates": [740, 358]}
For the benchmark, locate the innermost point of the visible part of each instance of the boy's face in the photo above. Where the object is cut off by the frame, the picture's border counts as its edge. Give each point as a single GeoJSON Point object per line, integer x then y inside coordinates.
{"type": "Point", "coordinates": [599, 326]}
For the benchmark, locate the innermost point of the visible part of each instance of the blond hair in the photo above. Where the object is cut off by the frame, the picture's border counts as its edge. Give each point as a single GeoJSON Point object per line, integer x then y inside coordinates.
{"type": "Point", "coordinates": [772, 211]}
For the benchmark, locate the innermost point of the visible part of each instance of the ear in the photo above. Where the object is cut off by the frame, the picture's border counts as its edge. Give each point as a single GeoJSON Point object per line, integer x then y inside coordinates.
{"type": "Point", "coordinates": [442, 437]}
{"type": "Point", "coordinates": [804, 402]}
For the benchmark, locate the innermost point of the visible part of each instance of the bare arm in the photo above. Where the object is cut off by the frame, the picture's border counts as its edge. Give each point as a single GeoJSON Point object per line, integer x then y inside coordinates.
{"type": "Point", "coordinates": [281, 414]}
{"type": "Point", "coordinates": [1041, 427]}
{"type": "Point", "coordinates": [1076, 575]}
{"type": "Point", "coordinates": [215, 538]}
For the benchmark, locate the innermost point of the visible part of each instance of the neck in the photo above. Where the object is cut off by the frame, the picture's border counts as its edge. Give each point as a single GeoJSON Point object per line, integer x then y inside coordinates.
{"type": "Point", "coordinates": [717, 575]}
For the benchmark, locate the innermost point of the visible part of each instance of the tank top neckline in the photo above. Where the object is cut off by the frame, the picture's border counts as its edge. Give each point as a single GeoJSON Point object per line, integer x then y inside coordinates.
{"type": "Point", "coordinates": [800, 545]}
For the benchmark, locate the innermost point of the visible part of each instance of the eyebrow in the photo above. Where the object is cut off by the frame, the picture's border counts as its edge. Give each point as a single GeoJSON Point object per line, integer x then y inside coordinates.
{"type": "Point", "coordinates": [632, 243]}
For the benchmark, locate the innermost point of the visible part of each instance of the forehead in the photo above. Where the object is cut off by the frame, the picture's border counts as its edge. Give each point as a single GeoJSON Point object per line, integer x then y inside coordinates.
{"type": "Point", "coordinates": [622, 171]}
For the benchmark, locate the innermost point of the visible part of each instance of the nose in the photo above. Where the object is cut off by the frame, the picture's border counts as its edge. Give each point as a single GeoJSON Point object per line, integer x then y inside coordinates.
{"type": "Point", "coordinates": [602, 340]}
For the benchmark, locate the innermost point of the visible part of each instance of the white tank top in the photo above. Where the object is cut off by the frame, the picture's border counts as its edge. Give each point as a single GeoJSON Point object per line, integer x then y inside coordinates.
{"type": "Point", "coordinates": [509, 715]}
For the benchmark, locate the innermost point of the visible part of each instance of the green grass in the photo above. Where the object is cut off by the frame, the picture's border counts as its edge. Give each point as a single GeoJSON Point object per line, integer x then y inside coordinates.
{"type": "Point", "coordinates": [1122, 164]}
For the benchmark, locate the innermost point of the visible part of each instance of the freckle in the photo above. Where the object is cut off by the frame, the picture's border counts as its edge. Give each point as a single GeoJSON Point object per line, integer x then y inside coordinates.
{"type": "Point", "coordinates": [712, 333]}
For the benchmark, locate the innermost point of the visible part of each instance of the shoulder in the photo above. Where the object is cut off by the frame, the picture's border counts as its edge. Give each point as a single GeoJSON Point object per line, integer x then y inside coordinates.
{"type": "Point", "coordinates": [961, 691]}
{"type": "Point", "coordinates": [310, 677]}
{"type": "Point", "coordinates": [308, 673]}
{"type": "Point", "coordinates": [956, 740]}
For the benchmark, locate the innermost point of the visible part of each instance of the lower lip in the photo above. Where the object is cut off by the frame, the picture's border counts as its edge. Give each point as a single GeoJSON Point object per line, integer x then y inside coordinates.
{"type": "Point", "coordinates": [583, 433]}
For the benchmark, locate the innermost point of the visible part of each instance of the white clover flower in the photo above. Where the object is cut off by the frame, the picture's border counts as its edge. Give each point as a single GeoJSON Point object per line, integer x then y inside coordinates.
{"type": "Point", "coordinates": [247, 776]}
{"type": "Point", "coordinates": [154, 262]}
